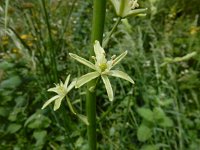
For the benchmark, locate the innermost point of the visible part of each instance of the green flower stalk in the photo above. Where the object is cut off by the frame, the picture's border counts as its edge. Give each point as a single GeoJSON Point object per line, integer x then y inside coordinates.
{"type": "Point", "coordinates": [125, 8]}
{"type": "Point", "coordinates": [61, 90]}
{"type": "Point", "coordinates": [102, 68]}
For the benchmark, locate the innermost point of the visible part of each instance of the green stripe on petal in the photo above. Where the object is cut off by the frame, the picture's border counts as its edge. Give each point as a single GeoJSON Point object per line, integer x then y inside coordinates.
{"type": "Point", "coordinates": [49, 101]}
{"type": "Point", "coordinates": [108, 86]}
{"type": "Point", "coordinates": [120, 74]}
{"type": "Point", "coordinates": [86, 78]}
{"type": "Point", "coordinates": [119, 58]}
{"type": "Point", "coordinates": [83, 61]}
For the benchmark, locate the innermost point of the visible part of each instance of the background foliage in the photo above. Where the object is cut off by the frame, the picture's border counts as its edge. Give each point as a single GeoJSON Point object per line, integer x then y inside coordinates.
{"type": "Point", "coordinates": [162, 110]}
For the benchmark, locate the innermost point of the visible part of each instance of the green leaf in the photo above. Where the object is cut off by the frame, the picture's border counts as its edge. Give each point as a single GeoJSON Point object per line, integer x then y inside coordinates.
{"type": "Point", "coordinates": [11, 83]}
{"type": "Point", "coordinates": [37, 120]}
{"type": "Point", "coordinates": [4, 111]}
{"type": "Point", "coordinates": [149, 147]}
{"type": "Point", "coordinates": [159, 114]}
{"type": "Point", "coordinates": [146, 114]}
{"type": "Point", "coordinates": [120, 74]}
{"type": "Point", "coordinates": [83, 118]}
{"type": "Point", "coordinates": [5, 65]}
{"type": "Point", "coordinates": [40, 137]}
{"type": "Point", "coordinates": [13, 128]}
{"type": "Point", "coordinates": [144, 133]}
{"type": "Point", "coordinates": [108, 86]}
{"type": "Point", "coordinates": [83, 61]}
{"type": "Point", "coordinates": [86, 78]}
{"type": "Point", "coordinates": [167, 122]}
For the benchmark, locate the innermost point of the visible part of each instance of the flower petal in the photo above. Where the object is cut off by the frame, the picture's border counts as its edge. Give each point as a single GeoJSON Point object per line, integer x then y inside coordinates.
{"type": "Point", "coordinates": [108, 86]}
{"type": "Point", "coordinates": [120, 74]}
{"type": "Point", "coordinates": [54, 89]}
{"type": "Point", "coordinates": [66, 81]}
{"type": "Point", "coordinates": [86, 78]}
{"type": "Point", "coordinates": [98, 50]}
{"type": "Point", "coordinates": [72, 84]}
{"type": "Point", "coordinates": [49, 101]}
{"type": "Point", "coordinates": [119, 58]}
{"type": "Point", "coordinates": [83, 61]}
{"type": "Point", "coordinates": [116, 5]}
{"type": "Point", "coordinates": [136, 12]}
{"type": "Point", "coordinates": [58, 103]}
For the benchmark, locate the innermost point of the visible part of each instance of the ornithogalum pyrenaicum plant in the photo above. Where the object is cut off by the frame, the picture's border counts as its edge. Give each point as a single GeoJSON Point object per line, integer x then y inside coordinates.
{"type": "Point", "coordinates": [125, 8]}
{"type": "Point", "coordinates": [102, 68]}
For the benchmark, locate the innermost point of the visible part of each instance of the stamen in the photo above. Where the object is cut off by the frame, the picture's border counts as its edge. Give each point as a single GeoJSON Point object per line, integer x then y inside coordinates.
{"type": "Point", "coordinates": [113, 57]}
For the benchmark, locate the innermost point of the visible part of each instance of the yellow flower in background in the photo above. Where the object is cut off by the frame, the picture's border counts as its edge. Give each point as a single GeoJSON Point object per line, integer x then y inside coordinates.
{"type": "Point", "coordinates": [194, 30]}
{"type": "Point", "coordinates": [5, 40]}
{"type": "Point", "coordinates": [24, 36]}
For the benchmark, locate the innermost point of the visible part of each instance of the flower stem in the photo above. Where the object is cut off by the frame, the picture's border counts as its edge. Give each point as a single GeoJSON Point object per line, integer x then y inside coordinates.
{"type": "Point", "coordinates": [97, 34]}
{"type": "Point", "coordinates": [105, 42]}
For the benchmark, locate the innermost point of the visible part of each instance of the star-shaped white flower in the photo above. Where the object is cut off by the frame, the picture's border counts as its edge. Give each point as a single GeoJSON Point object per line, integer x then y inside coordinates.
{"type": "Point", "coordinates": [125, 8]}
{"type": "Point", "coordinates": [61, 90]}
{"type": "Point", "coordinates": [102, 68]}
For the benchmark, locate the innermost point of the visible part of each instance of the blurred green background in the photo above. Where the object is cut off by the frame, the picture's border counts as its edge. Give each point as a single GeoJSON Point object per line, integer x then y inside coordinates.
{"type": "Point", "coordinates": [160, 112]}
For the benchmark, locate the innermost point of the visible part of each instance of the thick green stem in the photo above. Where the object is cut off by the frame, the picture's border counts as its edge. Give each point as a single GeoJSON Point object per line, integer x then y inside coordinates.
{"type": "Point", "coordinates": [97, 34]}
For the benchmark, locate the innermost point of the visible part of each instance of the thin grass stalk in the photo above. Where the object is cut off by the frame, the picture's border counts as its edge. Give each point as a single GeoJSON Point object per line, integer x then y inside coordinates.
{"type": "Point", "coordinates": [51, 43]}
{"type": "Point", "coordinates": [99, 11]}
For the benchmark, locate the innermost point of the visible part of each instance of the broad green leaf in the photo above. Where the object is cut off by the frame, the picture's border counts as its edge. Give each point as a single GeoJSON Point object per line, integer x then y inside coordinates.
{"type": "Point", "coordinates": [86, 78]}
{"type": "Point", "coordinates": [119, 58]}
{"type": "Point", "coordinates": [167, 122]}
{"type": "Point", "coordinates": [149, 147]}
{"type": "Point", "coordinates": [159, 114]}
{"type": "Point", "coordinates": [146, 114]}
{"type": "Point", "coordinates": [83, 61]}
{"type": "Point", "coordinates": [13, 128]}
{"type": "Point", "coordinates": [108, 86]}
{"type": "Point", "coordinates": [4, 111]}
{"type": "Point", "coordinates": [37, 120]}
{"type": "Point", "coordinates": [5, 65]}
{"type": "Point", "coordinates": [40, 137]}
{"type": "Point", "coordinates": [120, 74]}
{"type": "Point", "coordinates": [83, 118]}
{"type": "Point", "coordinates": [144, 133]}
{"type": "Point", "coordinates": [11, 82]}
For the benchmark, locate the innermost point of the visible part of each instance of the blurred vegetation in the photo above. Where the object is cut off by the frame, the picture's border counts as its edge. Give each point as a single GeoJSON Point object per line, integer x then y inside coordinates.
{"type": "Point", "coordinates": [162, 110]}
